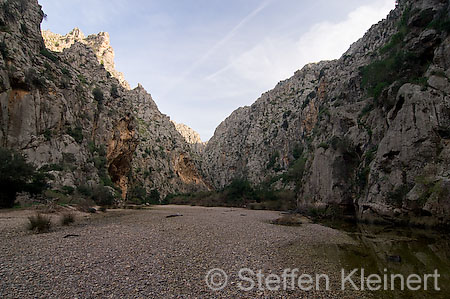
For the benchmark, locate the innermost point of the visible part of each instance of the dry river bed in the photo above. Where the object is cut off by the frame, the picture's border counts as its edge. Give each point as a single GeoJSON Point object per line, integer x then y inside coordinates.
{"type": "Point", "coordinates": [144, 254]}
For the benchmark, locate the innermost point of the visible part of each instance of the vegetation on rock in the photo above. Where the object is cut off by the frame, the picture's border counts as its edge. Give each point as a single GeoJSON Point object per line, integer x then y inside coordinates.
{"type": "Point", "coordinates": [17, 175]}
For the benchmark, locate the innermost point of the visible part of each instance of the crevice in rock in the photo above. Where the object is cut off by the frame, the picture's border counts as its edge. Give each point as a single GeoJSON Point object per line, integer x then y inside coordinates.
{"type": "Point", "coordinates": [398, 106]}
{"type": "Point", "coordinates": [443, 132]}
{"type": "Point", "coordinates": [391, 154]}
{"type": "Point", "coordinates": [120, 153]}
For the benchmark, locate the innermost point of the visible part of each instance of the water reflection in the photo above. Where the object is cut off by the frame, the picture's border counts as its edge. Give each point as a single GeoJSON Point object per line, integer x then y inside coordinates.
{"type": "Point", "coordinates": [399, 250]}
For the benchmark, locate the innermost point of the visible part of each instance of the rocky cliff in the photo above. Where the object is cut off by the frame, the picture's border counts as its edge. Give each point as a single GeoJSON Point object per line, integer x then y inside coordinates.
{"type": "Point", "coordinates": [191, 137]}
{"type": "Point", "coordinates": [75, 117]}
{"type": "Point", "coordinates": [99, 43]}
{"type": "Point", "coordinates": [367, 134]}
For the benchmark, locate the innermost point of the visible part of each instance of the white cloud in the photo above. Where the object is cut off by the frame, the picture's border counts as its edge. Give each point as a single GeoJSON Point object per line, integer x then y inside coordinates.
{"type": "Point", "coordinates": [218, 45]}
{"type": "Point", "coordinates": [277, 58]}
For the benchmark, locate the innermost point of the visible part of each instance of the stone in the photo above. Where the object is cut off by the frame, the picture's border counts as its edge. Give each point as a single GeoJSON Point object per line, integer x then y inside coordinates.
{"type": "Point", "coordinates": [99, 43]}
{"type": "Point", "coordinates": [320, 134]}
{"type": "Point", "coordinates": [64, 105]}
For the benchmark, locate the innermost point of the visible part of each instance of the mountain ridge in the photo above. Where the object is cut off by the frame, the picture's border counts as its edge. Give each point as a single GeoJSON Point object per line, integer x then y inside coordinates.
{"type": "Point", "coordinates": [334, 132]}
{"type": "Point", "coordinates": [72, 118]}
{"type": "Point", "coordinates": [365, 135]}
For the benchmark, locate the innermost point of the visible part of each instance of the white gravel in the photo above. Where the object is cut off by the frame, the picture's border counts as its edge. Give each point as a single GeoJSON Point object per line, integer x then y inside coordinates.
{"type": "Point", "coordinates": [143, 254]}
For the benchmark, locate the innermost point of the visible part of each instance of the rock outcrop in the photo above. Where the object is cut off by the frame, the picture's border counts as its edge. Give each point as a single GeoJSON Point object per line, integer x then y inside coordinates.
{"type": "Point", "coordinates": [367, 134]}
{"type": "Point", "coordinates": [191, 137]}
{"type": "Point", "coordinates": [74, 117]}
{"type": "Point", "coordinates": [99, 43]}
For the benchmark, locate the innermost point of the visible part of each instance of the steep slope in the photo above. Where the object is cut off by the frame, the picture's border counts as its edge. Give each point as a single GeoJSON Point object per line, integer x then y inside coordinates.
{"type": "Point", "coordinates": [74, 119]}
{"type": "Point", "coordinates": [366, 135]}
{"type": "Point", "coordinates": [191, 137]}
{"type": "Point", "coordinates": [99, 43]}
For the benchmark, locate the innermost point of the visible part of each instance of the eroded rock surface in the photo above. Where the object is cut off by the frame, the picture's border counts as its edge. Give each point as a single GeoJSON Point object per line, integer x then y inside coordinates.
{"type": "Point", "coordinates": [99, 43]}
{"type": "Point", "coordinates": [76, 117]}
{"type": "Point", "coordinates": [367, 133]}
{"type": "Point", "coordinates": [191, 137]}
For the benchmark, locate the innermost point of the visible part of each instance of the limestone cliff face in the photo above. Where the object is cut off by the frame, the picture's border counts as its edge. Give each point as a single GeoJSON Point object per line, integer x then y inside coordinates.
{"type": "Point", "coordinates": [368, 133]}
{"type": "Point", "coordinates": [191, 137]}
{"type": "Point", "coordinates": [73, 116]}
{"type": "Point", "coordinates": [99, 43]}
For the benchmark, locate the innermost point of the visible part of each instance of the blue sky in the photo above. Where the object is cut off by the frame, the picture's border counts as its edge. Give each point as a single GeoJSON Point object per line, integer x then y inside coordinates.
{"type": "Point", "coordinates": [202, 59]}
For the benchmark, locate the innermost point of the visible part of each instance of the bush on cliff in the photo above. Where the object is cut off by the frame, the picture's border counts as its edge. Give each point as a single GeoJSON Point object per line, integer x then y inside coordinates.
{"type": "Point", "coordinates": [16, 175]}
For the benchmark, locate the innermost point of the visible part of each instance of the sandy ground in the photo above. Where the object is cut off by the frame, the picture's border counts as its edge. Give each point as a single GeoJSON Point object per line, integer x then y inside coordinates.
{"type": "Point", "coordinates": [143, 254]}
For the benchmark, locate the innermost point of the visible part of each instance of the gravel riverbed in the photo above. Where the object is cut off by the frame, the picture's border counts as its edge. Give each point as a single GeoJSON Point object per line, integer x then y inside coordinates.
{"type": "Point", "coordinates": [144, 254]}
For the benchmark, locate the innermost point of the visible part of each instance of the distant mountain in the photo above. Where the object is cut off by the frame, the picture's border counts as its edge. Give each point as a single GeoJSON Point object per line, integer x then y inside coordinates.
{"type": "Point", "coordinates": [191, 137]}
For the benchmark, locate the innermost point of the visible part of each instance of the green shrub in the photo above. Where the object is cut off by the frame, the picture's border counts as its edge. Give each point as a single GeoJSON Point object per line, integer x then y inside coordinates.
{"type": "Point", "coordinates": [101, 163]}
{"type": "Point", "coordinates": [66, 72]}
{"type": "Point", "coordinates": [362, 177]}
{"type": "Point", "coordinates": [138, 192]}
{"type": "Point", "coordinates": [57, 196]}
{"type": "Point", "coordinates": [317, 212]}
{"type": "Point", "coordinates": [38, 183]}
{"type": "Point", "coordinates": [103, 196]}
{"type": "Point", "coordinates": [342, 144]}
{"type": "Point", "coordinates": [440, 23]}
{"type": "Point", "coordinates": [85, 190]}
{"type": "Point", "coordinates": [39, 223]}
{"type": "Point", "coordinates": [98, 95]}
{"type": "Point", "coordinates": [24, 28]}
{"type": "Point", "coordinates": [395, 41]}
{"type": "Point", "coordinates": [47, 134]}
{"type": "Point", "coordinates": [367, 108]}
{"type": "Point", "coordinates": [297, 151]}
{"type": "Point", "coordinates": [67, 218]}
{"type": "Point", "coordinates": [4, 50]}
{"type": "Point", "coordinates": [114, 91]}
{"type": "Point", "coordinates": [237, 191]}
{"type": "Point", "coordinates": [295, 171]}
{"type": "Point", "coordinates": [82, 79]}
{"type": "Point", "coordinates": [16, 175]}
{"type": "Point", "coordinates": [32, 78]}
{"type": "Point", "coordinates": [48, 54]}
{"type": "Point", "coordinates": [154, 197]}
{"type": "Point", "coordinates": [76, 133]}
{"type": "Point", "coordinates": [395, 65]}
{"type": "Point", "coordinates": [68, 190]}
{"type": "Point", "coordinates": [52, 167]}
{"type": "Point", "coordinates": [396, 196]}
{"type": "Point", "coordinates": [323, 145]}
{"type": "Point", "coordinates": [273, 160]}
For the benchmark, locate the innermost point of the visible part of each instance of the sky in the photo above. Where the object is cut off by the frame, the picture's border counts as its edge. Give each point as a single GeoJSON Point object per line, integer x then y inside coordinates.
{"type": "Point", "coordinates": [202, 59]}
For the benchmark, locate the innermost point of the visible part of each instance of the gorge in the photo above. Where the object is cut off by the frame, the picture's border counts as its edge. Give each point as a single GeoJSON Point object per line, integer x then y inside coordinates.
{"type": "Point", "coordinates": [365, 136]}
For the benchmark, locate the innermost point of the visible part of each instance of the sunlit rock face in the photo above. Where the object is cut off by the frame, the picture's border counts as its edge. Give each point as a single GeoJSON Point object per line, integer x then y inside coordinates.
{"type": "Point", "coordinates": [191, 137]}
{"type": "Point", "coordinates": [99, 43]}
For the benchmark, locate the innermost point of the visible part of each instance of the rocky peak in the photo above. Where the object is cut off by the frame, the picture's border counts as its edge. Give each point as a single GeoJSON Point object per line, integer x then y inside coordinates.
{"type": "Point", "coordinates": [77, 34]}
{"type": "Point", "coordinates": [191, 137]}
{"type": "Point", "coordinates": [61, 107]}
{"type": "Point", "coordinates": [188, 133]}
{"type": "Point", "coordinates": [99, 43]}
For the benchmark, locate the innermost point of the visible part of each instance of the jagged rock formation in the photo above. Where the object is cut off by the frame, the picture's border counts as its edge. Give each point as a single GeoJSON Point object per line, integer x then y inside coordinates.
{"type": "Point", "coordinates": [367, 133]}
{"type": "Point", "coordinates": [191, 137]}
{"type": "Point", "coordinates": [72, 118]}
{"type": "Point", "coordinates": [99, 43]}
